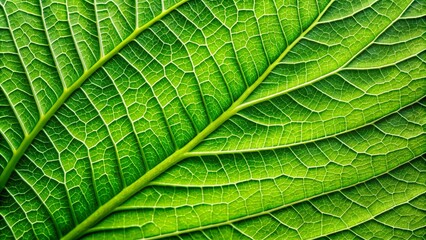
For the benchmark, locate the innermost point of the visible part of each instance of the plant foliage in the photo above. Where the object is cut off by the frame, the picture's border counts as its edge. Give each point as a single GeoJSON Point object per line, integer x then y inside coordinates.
{"type": "Point", "coordinates": [213, 119]}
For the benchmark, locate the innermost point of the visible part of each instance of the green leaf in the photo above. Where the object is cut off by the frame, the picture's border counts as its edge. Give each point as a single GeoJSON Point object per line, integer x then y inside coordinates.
{"type": "Point", "coordinates": [213, 119]}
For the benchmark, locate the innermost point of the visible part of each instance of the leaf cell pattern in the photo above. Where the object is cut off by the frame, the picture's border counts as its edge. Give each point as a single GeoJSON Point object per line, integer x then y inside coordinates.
{"type": "Point", "coordinates": [213, 119]}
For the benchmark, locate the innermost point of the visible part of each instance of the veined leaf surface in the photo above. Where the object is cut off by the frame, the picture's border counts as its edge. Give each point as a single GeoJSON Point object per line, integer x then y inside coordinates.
{"type": "Point", "coordinates": [213, 119]}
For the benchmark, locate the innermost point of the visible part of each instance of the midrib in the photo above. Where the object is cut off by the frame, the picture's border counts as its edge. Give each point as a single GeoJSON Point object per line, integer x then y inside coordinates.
{"type": "Point", "coordinates": [182, 153]}
{"type": "Point", "coordinates": [44, 119]}
{"type": "Point", "coordinates": [173, 159]}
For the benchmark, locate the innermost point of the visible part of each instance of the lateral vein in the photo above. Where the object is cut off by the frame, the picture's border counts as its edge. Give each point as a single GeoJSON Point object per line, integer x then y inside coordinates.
{"type": "Point", "coordinates": [44, 119]}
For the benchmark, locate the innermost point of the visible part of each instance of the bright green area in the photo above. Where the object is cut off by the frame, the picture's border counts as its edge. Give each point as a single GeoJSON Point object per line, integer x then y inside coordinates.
{"type": "Point", "coordinates": [207, 119]}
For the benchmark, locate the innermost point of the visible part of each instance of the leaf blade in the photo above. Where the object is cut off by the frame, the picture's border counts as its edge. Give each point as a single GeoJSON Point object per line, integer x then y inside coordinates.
{"type": "Point", "coordinates": [154, 105]}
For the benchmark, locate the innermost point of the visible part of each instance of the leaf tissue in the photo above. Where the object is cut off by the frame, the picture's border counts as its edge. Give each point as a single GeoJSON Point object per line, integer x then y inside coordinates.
{"type": "Point", "coordinates": [272, 119]}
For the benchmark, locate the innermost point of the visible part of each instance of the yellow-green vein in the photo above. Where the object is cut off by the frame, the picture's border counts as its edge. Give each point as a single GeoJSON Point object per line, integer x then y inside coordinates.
{"type": "Point", "coordinates": [44, 119]}
{"type": "Point", "coordinates": [182, 153]}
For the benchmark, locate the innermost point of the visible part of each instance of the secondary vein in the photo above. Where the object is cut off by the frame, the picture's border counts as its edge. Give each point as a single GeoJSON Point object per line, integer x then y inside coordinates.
{"type": "Point", "coordinates": [44, 119]}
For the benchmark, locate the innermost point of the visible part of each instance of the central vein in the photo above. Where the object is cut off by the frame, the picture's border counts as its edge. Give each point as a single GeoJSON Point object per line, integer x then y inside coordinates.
{"type": "Point", "coordinates": [182, 153]}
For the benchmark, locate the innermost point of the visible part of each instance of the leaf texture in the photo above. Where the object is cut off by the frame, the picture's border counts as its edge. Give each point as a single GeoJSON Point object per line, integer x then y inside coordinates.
{"type": "Point", "coordinates": [213, 119]}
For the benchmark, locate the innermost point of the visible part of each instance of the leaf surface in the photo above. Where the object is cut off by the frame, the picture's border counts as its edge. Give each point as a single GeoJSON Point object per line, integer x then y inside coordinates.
{"type": "Point", "coordinates": [212, 119]}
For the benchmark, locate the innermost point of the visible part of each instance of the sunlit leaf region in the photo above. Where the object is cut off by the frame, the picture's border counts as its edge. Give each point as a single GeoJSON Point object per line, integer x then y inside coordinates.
{"type": "Point", "coordinates": [213, 119]}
